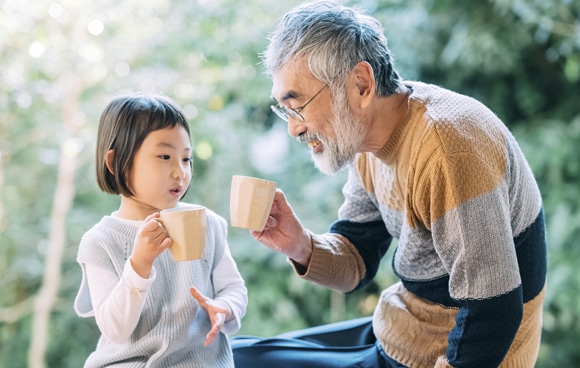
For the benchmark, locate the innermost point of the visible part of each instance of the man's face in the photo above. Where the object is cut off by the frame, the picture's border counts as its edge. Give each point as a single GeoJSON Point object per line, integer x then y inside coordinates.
{"type": "Point", "coordinates": [332, 131]}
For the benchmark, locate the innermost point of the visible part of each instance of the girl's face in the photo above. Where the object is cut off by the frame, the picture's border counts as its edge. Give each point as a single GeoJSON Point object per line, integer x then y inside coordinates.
{"type": "Point", "coordinates": [160, 175]}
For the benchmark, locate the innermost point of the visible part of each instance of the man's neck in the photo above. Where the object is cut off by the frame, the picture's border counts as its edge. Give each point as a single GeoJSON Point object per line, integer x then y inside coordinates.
{"type": "Point", "coordinates": [386, 114]}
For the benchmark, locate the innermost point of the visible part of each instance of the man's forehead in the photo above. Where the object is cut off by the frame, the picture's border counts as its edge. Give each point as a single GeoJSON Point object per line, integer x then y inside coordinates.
{"type": "Point", "coordinates": [290, 80]}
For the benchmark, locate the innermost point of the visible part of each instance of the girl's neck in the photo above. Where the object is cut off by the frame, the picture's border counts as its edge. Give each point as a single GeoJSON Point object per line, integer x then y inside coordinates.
{"type": "Point", "coordinates": [133, 209]}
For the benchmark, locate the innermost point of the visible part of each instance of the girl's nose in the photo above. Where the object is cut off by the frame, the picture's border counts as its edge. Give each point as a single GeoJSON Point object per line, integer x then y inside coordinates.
{"type": "Point", "coordinates": [181, 170]}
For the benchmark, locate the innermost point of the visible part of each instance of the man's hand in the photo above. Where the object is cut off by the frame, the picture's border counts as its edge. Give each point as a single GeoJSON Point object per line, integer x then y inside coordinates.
{"type": "Point", "coordinates": [284, 233]}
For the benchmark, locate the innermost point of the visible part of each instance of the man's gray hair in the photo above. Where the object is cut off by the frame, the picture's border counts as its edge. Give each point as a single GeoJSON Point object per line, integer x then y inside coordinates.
{"type": "Point", "coordinates": [333, 38]}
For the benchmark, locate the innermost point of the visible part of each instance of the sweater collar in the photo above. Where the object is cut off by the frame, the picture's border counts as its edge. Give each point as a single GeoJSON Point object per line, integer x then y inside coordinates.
{"type": "Point", "coordinates": [389, 151]}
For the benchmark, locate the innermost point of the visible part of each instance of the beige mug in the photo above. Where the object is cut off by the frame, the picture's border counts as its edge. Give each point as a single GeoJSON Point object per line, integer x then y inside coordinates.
{"type": "Point", "coordinates": [250, 202]}
{"type": "Point", "coordinates": [186, 227]}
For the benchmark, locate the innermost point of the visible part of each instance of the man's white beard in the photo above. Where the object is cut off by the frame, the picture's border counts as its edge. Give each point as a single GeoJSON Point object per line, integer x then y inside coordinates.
{"type": "Point", "coordinates": [350, 134]}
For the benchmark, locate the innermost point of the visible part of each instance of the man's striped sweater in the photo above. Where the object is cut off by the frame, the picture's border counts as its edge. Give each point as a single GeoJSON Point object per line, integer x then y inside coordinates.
{"type": "Point", "coordinates": [454, 188]}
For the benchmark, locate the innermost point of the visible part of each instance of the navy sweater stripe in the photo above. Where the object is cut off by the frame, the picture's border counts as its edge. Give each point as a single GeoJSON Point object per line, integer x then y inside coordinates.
{"type": "Point", "coordinates": [532, 259]}
{"type": "Point", "coordinates": [483, 338]}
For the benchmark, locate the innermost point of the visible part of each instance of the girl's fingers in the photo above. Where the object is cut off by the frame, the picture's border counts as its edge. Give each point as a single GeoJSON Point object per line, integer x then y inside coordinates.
{"type": "Point", "coordinates": [217, 325]}
{"type": "Point", "coordinates": [197, 295]}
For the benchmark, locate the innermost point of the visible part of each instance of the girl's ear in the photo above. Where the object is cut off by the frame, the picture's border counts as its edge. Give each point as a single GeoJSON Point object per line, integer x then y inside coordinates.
{"type": "Point", "coordinates": [109, 161]}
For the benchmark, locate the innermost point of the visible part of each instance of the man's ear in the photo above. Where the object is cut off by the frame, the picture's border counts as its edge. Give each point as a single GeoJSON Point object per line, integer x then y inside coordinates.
{"type": "Point", "coordinates": [364, 83]}
{"type": "Point", "coordinates": [109, 160]}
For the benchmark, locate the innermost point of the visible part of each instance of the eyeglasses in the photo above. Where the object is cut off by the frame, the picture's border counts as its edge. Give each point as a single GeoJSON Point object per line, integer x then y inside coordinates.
{"type": "Point", "coordinates": [286, 113]}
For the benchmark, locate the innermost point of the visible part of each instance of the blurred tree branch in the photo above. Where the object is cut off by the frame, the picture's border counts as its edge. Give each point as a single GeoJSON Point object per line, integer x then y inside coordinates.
{"type": "Point", "coordinates": [15, 312]}
{"type": "Point", "coordinates": [62, 202]}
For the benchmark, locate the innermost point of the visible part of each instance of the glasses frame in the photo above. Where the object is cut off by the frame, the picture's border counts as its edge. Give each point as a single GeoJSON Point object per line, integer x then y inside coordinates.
{"type": "Point", "coordinates": [285, 112]}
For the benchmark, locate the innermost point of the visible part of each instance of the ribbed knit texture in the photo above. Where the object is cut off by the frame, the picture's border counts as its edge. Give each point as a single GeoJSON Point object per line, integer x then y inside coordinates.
{"type": "Point", "coordinates": [172, 327]}
{"type": "Point", "coordinates": [454, 187]}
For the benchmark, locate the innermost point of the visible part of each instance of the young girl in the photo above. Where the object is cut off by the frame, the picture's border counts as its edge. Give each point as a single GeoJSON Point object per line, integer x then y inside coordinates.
{"type": "Point", "coordinates": [151, 310]}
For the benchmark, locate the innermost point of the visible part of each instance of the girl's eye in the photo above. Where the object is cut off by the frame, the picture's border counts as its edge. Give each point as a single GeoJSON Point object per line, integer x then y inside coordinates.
{"type": "Point", "coordinates": [188, 160]}
{"type": "Point", "coordinates": [165, 157]}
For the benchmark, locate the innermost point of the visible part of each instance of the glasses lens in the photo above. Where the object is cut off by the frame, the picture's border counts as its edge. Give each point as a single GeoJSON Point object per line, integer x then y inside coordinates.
{"type": "Point", "coordinates": [282, 114]}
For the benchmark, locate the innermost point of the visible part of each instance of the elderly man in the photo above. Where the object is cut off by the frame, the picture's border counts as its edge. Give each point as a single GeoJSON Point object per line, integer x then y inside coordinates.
{"type": "Point", "coordinates": [436, 170]}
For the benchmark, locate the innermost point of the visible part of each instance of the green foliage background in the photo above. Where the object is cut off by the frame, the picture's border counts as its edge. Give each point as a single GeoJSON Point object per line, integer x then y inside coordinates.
{"type": "Point", "coordinates": [61, 62]}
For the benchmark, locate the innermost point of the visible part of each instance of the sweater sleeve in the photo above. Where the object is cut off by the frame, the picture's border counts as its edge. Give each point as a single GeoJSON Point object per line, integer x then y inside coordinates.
{"type": "Point", "coordinates": [117, 303]}
{"type": "Point", "coordinates": [231, 291]}
{"type": "Point", "coordinates": [228, 284]}
{"type": "Point", "coordinates": [349, 255]}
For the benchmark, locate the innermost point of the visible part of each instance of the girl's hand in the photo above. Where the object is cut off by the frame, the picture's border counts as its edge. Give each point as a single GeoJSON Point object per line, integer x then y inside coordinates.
{"type": "Point", "coordinates": [217, 314]}
{"type": "Point", "coordinates": [151, 240]}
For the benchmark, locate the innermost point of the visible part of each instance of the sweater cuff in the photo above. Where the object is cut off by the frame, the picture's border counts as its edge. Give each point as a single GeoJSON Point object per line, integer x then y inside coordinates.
{"type": "Point", "coordinates": [133, 281]}
{"type": "Point", "coordinates": [232, 325]}
{"type": "Point", "coordinates": [315, 270]}
{"type": "Point", "coordinates": [334, 263]}
{"type": "Point", "coordinates": [298, 268]}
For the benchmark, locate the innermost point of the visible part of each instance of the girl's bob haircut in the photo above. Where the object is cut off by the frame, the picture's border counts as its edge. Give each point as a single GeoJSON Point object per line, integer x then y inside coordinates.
{"type": "Point", "coordinates": [123, 126]}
